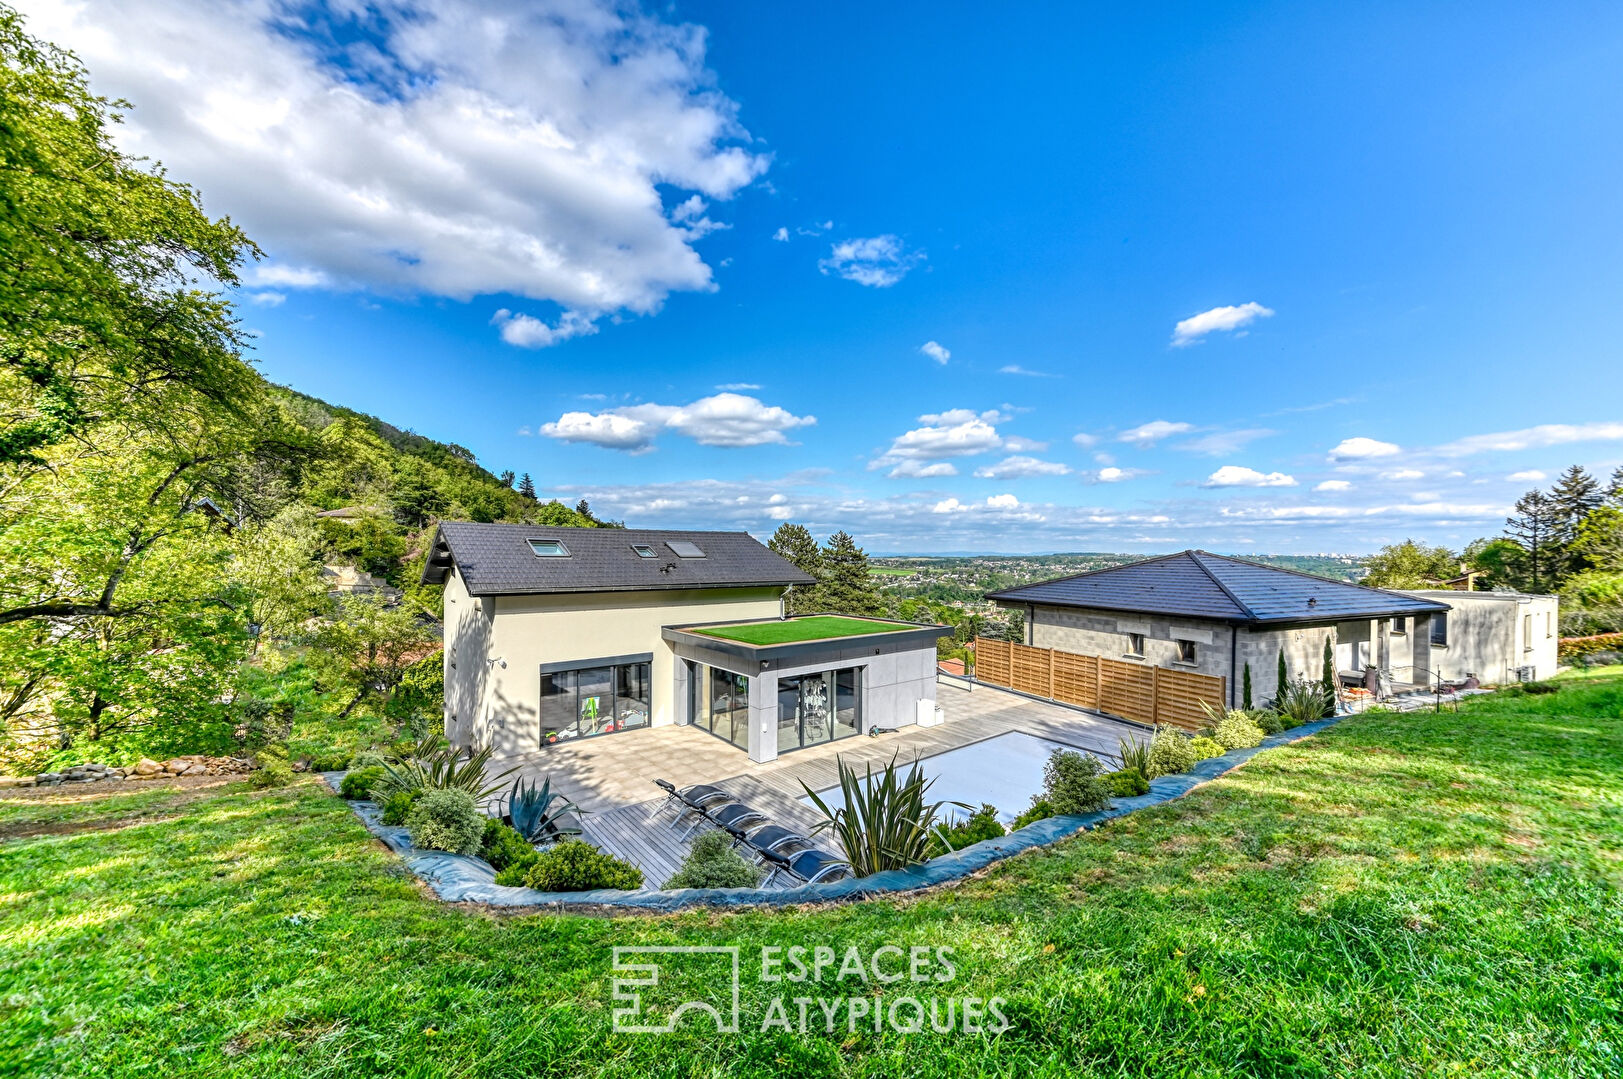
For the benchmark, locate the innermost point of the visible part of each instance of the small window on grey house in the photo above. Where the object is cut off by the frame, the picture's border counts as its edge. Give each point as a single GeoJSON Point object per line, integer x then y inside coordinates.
{"type": "Point", "coordinates": [1186, 651]}
{"type": "Point", "coordinates": [643, 550]}
{"type": "Point", "coordinates": [549, 548]}
{"type": "Point", "coordinates": [1135, 644]}
{"type": "Point", "coordinates": [1400, 627]}
{"type": "Point", "coordinates": [1439, 629]}
{"type": "Point", "coordinates": [1527, 633]}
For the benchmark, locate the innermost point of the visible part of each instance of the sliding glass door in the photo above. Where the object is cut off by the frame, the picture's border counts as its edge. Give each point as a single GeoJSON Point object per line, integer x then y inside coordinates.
{"type": "Point", "coordinates": [590, 701]}
{"type": "Point", "coordinates": [818, 708]}
{"type": "Point", "coordinates": [721, 703]}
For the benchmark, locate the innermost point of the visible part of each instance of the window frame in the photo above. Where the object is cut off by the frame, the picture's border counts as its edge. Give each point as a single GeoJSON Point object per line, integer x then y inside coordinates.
{"type": "Point", "coordinates": [644, 550]}
{"type": "Point", "coordinates": [1187, 652]}
{"type": "Point", "coordinates": [1135, 645]}
{"type": "Point", "coordinates": [566, 676]}
{"type": "Point", "coordinates": [561, 552]}
{"type": "Point", "coordinates": [1439, 629]}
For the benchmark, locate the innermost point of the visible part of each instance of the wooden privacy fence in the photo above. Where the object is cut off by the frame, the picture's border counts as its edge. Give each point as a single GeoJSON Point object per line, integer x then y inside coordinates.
{"type": "Point", "coordinates": [1136, 691]}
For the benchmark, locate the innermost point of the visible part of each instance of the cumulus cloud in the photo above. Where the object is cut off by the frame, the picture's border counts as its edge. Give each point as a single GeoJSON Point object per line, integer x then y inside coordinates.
{"type": "Point", "coordinates": [723, 419]}
{"type": "Point", "coordinates": [949, 505]}
{"type": "Point", "coordinates": [1240, 476]}
{"type": "Point", "coordinates": [1223, 443]}
{"type": "Point", "coordinates": [916, 469]}
{"type": "Point", "coordinates": [1333, 485]}
{"type": "Point", "coordinates": [1147, 434]}
{"type": "Point", "coordinates": [782, 235]}
{"type": "Point", "coordinates": [876, 261]}
{"type": "Point", "coordinates": [1082, 438]}
{"type": "Point", "coordinates": [432, 147]}
{"type": "Point", "coordinates": [1018, 467]}
{"type": "Point", "coordinates": [267, 299]}
{"type": "Point", "coordinates": [958, 432]}
{"type": "Point", "coordinates": [1531, 475]}
{"type": "Point", "coordinates": [1545, 434]}
{"type": "Point", "coordinates": [1402, 474]}
{"type": "Point", "coordinates": [527, 331]}
{"type": "Point", "coordinates": [1002, 502]}
{"type": "Point", "coordinates": [1356, 449]}
{"type": "Point", "coordinates": [1112, 474]}
{"type": "Point", "coordinates": [936, 351]}
{"type": "Point", "coordinates": [1227, 319]}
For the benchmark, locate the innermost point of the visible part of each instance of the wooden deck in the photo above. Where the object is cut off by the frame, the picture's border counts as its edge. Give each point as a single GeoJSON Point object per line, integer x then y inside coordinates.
{"type": "Point", "coordinates": [612, 777]}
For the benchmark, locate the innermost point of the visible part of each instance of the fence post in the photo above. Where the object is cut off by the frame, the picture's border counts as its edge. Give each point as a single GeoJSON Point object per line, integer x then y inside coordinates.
{"type": "Point", "coordinates": [1155, 695]}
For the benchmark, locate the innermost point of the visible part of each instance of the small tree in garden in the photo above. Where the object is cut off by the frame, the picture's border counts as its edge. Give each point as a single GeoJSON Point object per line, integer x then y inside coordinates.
{"type": "Point", "coordinates": [1284, 679]}
{"type": "Point", "coordinates": [1245, 693]}
{"type": "Point", "coordinates": [1329, 676]}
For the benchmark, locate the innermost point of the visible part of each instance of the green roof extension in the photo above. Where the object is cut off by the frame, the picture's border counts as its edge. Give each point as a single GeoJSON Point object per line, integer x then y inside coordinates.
{"type": "Point", "coordinates": [815, 627]}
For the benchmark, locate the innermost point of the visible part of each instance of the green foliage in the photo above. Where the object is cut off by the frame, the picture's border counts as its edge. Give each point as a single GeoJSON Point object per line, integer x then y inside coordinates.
{"type": "Point", "coordinates": [274, 769]}
{"type": "Point", "coordinates": [1135, 754]}
{"type": "Point", "coordinates": [967, 831]}
{"type": "Point", "coordinates": [541, 814]}
{"type": "Point", "coordinates": [574, 866]}
{"type": "Point", "coordinates": [1245, 695]}
{"type": "Point", "coordinates": [1204, 748]}
{"type": "Point", "coordinates": [435, 765]}
{"type": "Point", "coordinates": [1304, 702]}
{"type": "Point", "coordinates": [1169, 753]}
{"type": "Point", "coordinates": [359, 782]}
{"type": "Point", "coordinates": [1283, 678]}
{"type": "Point", "coordinates": [502, 846]}
{"type": "Point", "coordinates": [1127, 783]}
{"type": "Point", "coordinates": [513, 874]}
{"type": "Point", "coordinates": [1327, 676]}
{"type": "Point", "coordinates": [795, 543]}
{"type": "Point", "coordinates": [1072, 783]}
{"type": "Point", "coordinates": [1040, 809]}
{"type": "Point", "coordinates": [1592, 603]}
{"type": "Point", "coordinates": [1411, 565]}
{"type": "Point", "coordinates": [847, 587]}
{"type": "Point", "coordinates": [713, 863]}
{"type": "Point", "coordinates": [446, 819]}
{"type": "Point", "coordinates": [885, 822]}
{"type": "Point", "coordinates": [368, 758]}
{"type": "Point", "coordinates": [395, 806]}
{"type": "Point", "coordinates": [1237, 730]}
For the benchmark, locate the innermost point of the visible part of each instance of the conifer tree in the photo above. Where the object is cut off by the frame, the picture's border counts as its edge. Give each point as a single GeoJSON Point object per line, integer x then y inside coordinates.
{"type": "Point", "coordinates": [1329, 678]}
{"type": "Point", "coordinates": [1279, 687]}
{"type": "Point", "coordinates": [526, 487]}
{"type": "Point", "coordinates": [1534, 528]}
{"type": "Point", "coordinates": [848, 586]}
{"type": "Point", "coordinates": [795, 543]}
{"type": "Point", "coordinates": [1245, 696]}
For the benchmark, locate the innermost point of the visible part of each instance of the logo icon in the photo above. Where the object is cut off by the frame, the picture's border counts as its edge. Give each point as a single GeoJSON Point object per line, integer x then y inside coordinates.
{"type": "Point", "coordinates": [672, 981]}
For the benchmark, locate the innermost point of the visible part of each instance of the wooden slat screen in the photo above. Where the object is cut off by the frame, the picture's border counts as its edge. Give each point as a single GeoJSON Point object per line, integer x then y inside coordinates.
{"type": "Point", "coordinates": [1135, 691]}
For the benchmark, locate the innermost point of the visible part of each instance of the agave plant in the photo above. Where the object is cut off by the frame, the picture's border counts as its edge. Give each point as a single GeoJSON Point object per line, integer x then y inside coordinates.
{"type": "Point", "coordinates": [1136, 756]}
{"type": "Point", "coordinates": [435, 765]}
{"type": "Point", "coordinates": [539, 813]}
{"type": "Point", "coordinates": [885, 822]}
{"type": "Point", "coordinates": [1305, 701]}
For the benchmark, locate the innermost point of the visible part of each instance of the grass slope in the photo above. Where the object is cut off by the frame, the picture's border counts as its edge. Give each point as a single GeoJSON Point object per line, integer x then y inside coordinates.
{"type": "Point", "coordinates": [814, 627]}
{"type": "Point", "coordinates": [1399, 895]}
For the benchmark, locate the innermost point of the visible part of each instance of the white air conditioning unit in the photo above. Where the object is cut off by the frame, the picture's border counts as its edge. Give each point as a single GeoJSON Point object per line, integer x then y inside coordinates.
{"type": "Point", "coordinates": [930, 713]}
{"type": "Point", "coordinates": [1527, 674]}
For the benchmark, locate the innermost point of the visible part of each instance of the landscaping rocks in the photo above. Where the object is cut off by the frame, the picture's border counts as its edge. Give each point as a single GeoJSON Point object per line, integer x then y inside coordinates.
{"type": "Point", "coordinates": [145, 768]}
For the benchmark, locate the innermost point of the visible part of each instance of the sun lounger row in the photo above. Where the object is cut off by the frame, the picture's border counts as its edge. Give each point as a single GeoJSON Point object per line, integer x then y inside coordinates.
{"type": "Point", "coordinates": [785, 851]}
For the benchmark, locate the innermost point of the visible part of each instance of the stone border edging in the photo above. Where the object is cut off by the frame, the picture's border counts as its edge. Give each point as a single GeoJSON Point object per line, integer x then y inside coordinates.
{"type": "Point", "coordinates": [459, 879]}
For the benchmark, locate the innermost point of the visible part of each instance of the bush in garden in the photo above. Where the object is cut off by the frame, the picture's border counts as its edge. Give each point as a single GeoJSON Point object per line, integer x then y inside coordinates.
{"type": "Point", "coordinates": [1169, 753]}
{"type": "Point", "coordinates": [713, 863]}
{"type": "Point", "coordinates": [1040, 810]}
{"type": "Point", "coordinates": [1269, 720]}
{"type": "Point", "coordinates": [1303, 702]}
{"type": "Point", "coordinates": [1128, 783]}
{"type": "Point", "coordinates": [1237, 731]}
{"type": "Point", "coordinates": [979, 825]}
{"type": "Point", "coordinates": [368, 758]}
{"type": "Point", "coordinates": [501, 845]}
{"type": "Point", "coordinates": [329, 762]}
{"type": "Point", "coordinates": [1204, 747]}
{"type": "Point", "coordinates": [574, 866]}
{"type": "Point", "coordinates": [446, 819]}
{"type": "Point", "coordinates": [396, 805]}
{"type": "Point", "coordinates": [512, 876]}
{"type": "Point", "coordinates": [359, 783]}
{"type": "Point", "coordinates": [1072, 783]}
{"type": "Point", "coordinates": [273, 770]}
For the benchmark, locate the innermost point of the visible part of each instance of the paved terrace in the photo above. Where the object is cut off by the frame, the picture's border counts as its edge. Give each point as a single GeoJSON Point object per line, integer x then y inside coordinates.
{"type": "Point", "coordinates": [611, 777]}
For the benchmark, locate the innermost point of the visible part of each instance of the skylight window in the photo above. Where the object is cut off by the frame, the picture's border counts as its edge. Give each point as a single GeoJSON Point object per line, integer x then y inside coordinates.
{"type": "Point", "coordinates": [549, 548]}
{"type": "Point", "coordinates": [644, 550]}
{"type": "Point", "coordinates": [684, 549]}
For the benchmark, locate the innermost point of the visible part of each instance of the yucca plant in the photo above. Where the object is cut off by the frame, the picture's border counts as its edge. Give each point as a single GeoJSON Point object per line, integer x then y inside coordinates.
{"type": "Point", "coordinates": [885, 822]}
{"type": "Point", "coordinates": [1136, 756]}
{"type": "Point", "coordinates": [435, 765]}
{"type": "Point", "coordinates": [540, 813]}
{"type": "Point", "coordinates": [1304, 701]}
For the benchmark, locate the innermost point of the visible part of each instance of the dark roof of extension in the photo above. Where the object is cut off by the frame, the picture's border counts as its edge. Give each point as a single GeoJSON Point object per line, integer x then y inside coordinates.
{"type": "Point", "coordinates": [1197, 584]}
{"type": "Point", "coordinates": [496, 559]}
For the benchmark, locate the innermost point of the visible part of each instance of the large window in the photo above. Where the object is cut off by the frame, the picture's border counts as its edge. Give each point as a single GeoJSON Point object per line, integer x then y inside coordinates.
{"type": "Point", "coordinates": [1439, 629]}
{"type": "Point", "coordinates": [817, 708]}
{"type": "Point", "coordinates": [588, 701]}
{"type": "Point", "coordinates": [721, 703]}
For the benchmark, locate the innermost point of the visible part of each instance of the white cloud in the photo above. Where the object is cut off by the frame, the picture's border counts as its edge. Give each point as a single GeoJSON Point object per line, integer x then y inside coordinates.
{"type": "Point", "coordinates": [1240, 476]}
{"type": "Point", "coordinates": [267, 299]}
{"type": "Point", "coordinates": [1223, 443]}
{"type": "Point", "coordinates": [1016, 369]}
{"type": "Point", "coordinates": [723, 419]}
{"type": "Point", "coordinates": [1334, 485]}
{"type": "Point", "coordinates": [782, 235]}
{"type": "Point", "coordinates": [1019, 467]}
{"type": "Point", "coordinates": [876, 261]}
{"type": "Point", "coordinates": [916, 469]}
{"type": "Point", "coordinates": [1531, 475]}
{"type": "Point", "coordinates": [1112, 474]}
{"type": "Point", "coordinates": [936, 351]}
{"type": "Point", "coordinates": [1082, 438]}
{"type": "Point", "coordinates": [949, 505]}
{"type": "Point", "coordinates": [1002, 502]}
{"type": "Point", "coordinates": [1355, 449]}
{"type": "Point", "coordinates": [1402, 474]}
{"type": "Point", "coordinates": [1193, 328]}
{"type": "Point", "coordinates": [441, 148]}
{"type": "Point", "coordinates": [1147, 434]}
{"type": "Point", "coordinates": [958, 432]}
{"type": "Point", "coordinates": [739, 386]}
{"type": "Point", "coordinates": [780, 513]}
{"type": "Point", "coordinates": [1546, 434]}
{"type": "Point", "coordinates": [527, 331]}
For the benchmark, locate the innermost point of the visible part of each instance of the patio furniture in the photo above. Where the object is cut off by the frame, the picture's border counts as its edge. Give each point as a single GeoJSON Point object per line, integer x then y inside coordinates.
{"type": "Point", "coordinates": [730, 816]}
{"type": "Point", "coordinates": [691, 799]}
{"type": "Point", "coordinates": [810, 866]}
{"type": "Point", "coordinates": [771, 837]}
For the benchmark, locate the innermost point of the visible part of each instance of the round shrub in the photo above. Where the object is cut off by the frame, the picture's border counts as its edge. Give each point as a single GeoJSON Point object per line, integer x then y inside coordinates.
{"type": "Point", "coordinates": [1040, 810]}
{"type": "Point", "coordinates": [368, 758]}
{"type": "Point", "coordinates": [1237, 731]}
{"type": "Point", "coordinates": [1205, 747]}
{"type": "Point", "coordinates": [501, 845]}
{"type": "Point", "coordinates": [1170, 753]}
{"type": "Point", "coordinates": [359, 782]}
{"type": "Point", "coordinates": [1270, 721]}
{"type": "Point", "coordinates": [446, 820]}
{"type": "Point", "coordinates": [1128, 783]}
{"type": "Point", "coordinates": [713, 863]}
{"type": "Point", "coordinates": [574, 866]}
{"type": "Point", "coordinates": [273, 770]}
{"type": "Point", "coordinates": [1072, 783]}
{"type": "Point", "coordinates": [978, 826]}
{"type": "Point", "coordinates": [396, 805]}
{"type": "Point", "coordinates": [514, 873]}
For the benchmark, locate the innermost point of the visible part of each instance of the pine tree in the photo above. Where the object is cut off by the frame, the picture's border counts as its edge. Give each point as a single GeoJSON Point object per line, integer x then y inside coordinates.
{"type": "Point", "coordinates": [1279, 688]}
{"type": "Point", "coordinates": [848, 586]}
{"type": "Point", "coordinates": [1573, 496]}
{"type": "Point", "coordinates": [1614, 488]}
{"type": "Point", "coordinates": [1535, 528]}
{"type": "Point", "coordinates": [1329, 677]}
{"type": "Point", "coordinates": [1245, 696]}
{"type": "Point", "coordinates": [526, 487]}
{"type": "Point", "coordinates": [795, 543]}
{"type": "Point", "coordinates": [507, 478]}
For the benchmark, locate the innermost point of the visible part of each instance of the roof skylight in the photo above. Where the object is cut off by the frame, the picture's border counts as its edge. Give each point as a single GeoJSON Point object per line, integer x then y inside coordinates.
{"type": "Point", "coordinates": [549, 548]}
{"type": "Point", "coordinates": [643, 550]}
{"type": "Point", "coordinates": [685, 549]}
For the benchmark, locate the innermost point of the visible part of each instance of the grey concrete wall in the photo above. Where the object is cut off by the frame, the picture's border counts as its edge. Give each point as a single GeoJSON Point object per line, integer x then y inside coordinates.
{"type": "Point", "coordinates": [1304, 656]}
{"type": "Point", "coordinates": [1490, 634]}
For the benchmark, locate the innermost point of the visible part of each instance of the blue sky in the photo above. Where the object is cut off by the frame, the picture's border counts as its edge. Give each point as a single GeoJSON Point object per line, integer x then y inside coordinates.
{"type": "Point", "coordinates": [1272, 278]}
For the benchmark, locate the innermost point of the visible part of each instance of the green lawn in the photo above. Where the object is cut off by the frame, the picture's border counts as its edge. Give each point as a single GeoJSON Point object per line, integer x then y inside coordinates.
{"type": "Point", "coordinates": [814, 627]}
{"type": "Point", "coordinates": [1400, 895]}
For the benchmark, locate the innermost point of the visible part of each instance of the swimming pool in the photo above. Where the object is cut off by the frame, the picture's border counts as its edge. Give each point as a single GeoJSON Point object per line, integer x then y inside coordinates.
{"type": "Point", "coordinates": [1005, 770]}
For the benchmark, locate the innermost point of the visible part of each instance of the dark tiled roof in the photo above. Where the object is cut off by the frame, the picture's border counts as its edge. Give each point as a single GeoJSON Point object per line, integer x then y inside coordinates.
{"type": "Point", "coordinates": [496, 559]}
{"type": "Point", "coordinates": [1195, 584]}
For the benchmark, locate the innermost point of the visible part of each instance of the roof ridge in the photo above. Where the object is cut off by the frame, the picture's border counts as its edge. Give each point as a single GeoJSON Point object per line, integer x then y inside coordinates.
{"type": "Point", "coordinates": [1089, 572]}
{"type": "Point", "coordinates": [1193, 557]}
{"type": "Point", "coordinates": [1300, 573]}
